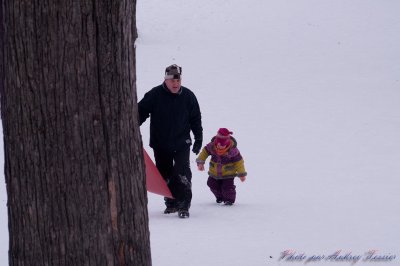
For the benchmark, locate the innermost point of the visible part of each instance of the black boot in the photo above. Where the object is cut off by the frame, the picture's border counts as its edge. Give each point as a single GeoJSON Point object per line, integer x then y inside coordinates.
{"type": "Point", "coordinates": [183, 213]}
{"type": "Point", "coordinates": [169, 210]}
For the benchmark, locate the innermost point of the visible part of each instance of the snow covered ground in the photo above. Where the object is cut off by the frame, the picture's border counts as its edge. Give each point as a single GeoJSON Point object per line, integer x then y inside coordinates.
{"type": "Point", "coordinates": [311, 90]}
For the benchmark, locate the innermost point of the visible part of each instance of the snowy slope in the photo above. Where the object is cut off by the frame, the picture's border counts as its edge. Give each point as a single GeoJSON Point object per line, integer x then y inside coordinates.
{"type": "Point", "coordinates": [311, 90]}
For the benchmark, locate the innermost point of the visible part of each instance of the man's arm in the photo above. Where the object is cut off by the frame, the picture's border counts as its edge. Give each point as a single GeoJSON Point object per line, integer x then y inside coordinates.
{"type": "Point", "coordinates": [145, 107]}
{"type": "Point", "coordinates": [196, 127]}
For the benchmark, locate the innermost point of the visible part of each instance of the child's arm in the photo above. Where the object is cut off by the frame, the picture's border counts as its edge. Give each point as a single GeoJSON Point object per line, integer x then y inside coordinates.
{"type": "Point", "coordinates": [201, 159]}
{"type": "Point", "coordinates": [241, 171]}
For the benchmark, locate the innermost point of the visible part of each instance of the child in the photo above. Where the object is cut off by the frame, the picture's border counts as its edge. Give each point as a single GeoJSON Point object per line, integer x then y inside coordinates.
{"type": "Point", "coordinates": [226, 163]}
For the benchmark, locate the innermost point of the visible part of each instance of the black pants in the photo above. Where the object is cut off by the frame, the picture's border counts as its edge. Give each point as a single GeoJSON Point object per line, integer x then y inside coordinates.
{"type": "Point", "coordinates": [175, 169]}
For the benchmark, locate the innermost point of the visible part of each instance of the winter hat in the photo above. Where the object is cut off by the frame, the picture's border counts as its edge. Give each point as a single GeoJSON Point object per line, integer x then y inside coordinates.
{"type": "Point", "coordinates": [173, 72]}
{"type": "Point", "coordinates": [223, 137]}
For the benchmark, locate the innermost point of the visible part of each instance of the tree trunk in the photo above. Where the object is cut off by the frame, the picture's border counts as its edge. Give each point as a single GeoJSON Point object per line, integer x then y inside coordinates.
{"type": "Point", "coordinates": [73, 151]}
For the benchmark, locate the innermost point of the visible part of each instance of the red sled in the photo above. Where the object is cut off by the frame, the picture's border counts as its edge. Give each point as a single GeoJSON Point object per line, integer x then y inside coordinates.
{"type": "Point", "coordinates": [155, 183]}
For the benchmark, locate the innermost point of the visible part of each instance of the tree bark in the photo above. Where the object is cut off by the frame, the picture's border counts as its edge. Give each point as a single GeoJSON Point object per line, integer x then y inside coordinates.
{"type": "Point", "coordinates": [73, 151]}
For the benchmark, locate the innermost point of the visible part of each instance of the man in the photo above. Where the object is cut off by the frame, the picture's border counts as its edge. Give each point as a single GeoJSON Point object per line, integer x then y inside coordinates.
{"type": "Point", "coordinates": [174, 112]}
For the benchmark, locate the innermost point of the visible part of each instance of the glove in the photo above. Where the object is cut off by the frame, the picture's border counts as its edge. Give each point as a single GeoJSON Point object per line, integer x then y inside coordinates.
{"type": "Point", "coordinates": [196, 147]}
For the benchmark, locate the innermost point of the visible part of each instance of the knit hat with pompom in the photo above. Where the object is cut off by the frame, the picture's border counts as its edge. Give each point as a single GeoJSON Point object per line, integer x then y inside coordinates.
{"type": "Point", "coordinates": [223, 137]}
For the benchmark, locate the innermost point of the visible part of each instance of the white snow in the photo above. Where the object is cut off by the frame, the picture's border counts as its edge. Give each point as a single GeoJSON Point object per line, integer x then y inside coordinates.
{"type": "Point", "coordinates": [311, 90]}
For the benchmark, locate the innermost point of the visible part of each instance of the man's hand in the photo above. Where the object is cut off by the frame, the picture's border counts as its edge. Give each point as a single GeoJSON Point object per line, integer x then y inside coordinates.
{"type": "Point", "coordinates": [196, 147]}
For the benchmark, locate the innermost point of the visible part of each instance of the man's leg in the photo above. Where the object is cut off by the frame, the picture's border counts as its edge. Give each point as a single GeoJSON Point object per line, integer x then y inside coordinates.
{"type": "Point", "coordinates": [183, 181]}
{"type": "Point", "coordinates": [165, 165]}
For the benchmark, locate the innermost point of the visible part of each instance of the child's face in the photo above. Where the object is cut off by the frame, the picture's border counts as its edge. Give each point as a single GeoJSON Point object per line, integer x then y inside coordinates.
{"type": "Point", "coordinates": [219, 146]}
{"type": "Point", "coordinates": [221, 143]}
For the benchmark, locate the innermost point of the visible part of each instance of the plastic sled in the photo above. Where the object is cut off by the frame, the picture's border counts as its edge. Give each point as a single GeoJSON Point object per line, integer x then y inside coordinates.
{"type": "Point", "coordinates": [155, 183]}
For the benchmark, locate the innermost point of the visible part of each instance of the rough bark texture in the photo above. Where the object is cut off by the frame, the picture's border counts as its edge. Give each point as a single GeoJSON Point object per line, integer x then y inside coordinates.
{"type": "Point", "coordinates": [73, 151]}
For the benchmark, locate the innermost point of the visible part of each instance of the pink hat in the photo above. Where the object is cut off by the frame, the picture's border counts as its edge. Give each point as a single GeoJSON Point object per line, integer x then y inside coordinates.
{"type": "Point", "coordinates": [223, 137]}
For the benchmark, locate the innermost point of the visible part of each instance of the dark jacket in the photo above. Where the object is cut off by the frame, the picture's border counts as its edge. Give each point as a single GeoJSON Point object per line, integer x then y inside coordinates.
{"type": "Point", "coordinates": [172, 116]}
